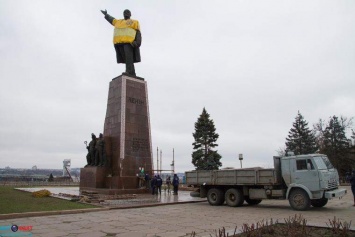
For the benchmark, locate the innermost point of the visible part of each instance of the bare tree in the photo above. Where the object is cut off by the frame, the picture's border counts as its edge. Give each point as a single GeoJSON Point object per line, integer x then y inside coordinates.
{"type": "Point", "coordinates": [281, 151]}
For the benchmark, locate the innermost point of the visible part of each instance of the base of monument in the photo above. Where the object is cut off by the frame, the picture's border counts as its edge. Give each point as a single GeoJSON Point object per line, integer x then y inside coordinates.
{"type": "Point", "coordinates": [106, 191]}
{"type": "Point", "coordinates": [93, 176]}
{"type": "Point", "coordinates": [127, 182]}
{"type": "Point", "coordinates": [129, 75]}
{"type": "Point", "coordinates": [95, 179]}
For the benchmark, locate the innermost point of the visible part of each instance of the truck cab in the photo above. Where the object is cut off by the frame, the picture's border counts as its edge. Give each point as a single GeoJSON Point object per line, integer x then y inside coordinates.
{"type": "Point", "coordinates": [313, 175]}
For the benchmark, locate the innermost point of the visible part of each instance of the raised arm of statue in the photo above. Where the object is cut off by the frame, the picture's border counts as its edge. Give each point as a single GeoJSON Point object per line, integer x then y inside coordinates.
{"type": "Point", "coordinates": [104, 12]}
{"type": "Point", "coordinates": [107, 16]}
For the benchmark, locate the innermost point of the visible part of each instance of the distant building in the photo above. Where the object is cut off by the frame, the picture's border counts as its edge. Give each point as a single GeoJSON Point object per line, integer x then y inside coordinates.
{"type": "Point", "coordinates": [34, 167]}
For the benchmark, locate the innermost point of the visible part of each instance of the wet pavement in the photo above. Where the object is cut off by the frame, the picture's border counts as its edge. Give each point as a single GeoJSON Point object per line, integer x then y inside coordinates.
{"type": "Point", "coordinates": [164, 198]}
{"type": "Point", "coordinates": [138, 200]}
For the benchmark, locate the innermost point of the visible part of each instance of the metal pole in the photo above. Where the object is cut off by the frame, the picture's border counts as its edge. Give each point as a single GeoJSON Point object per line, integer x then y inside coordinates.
{"type": "Point", "coordinates": [161, 158]}
{"type": "Point", "coordinates": [157, 159]}
{"type": "Point", "coordinates": [173, 162]}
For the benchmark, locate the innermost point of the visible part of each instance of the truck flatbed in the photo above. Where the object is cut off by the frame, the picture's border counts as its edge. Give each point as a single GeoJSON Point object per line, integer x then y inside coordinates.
{"type": "Point", "coordinates": [249, 176]}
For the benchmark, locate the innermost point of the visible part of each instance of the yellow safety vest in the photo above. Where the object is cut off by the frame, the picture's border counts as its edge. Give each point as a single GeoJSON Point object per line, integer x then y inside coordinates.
{"type": "Point", "coordinates": [125, 30]}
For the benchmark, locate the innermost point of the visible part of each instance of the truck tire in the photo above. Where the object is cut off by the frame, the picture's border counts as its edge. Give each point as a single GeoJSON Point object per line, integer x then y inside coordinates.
{"type": "Point", "coordinates": [215, 197]}
{"type": "Point", "coordinates": [319, 202]}
{"type": "Point", "coordinates": [299, 200]}
{"type": "Point", "coordinates": [234, 197]}
{"type": "Point", "coordinates": [252, 202]}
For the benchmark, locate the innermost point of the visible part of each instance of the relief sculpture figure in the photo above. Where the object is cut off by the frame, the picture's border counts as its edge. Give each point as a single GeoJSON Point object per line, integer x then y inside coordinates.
{"type": "Point", "coordinates": [90, 157]}
{"type": "Point", "coordinates": [100, 157]}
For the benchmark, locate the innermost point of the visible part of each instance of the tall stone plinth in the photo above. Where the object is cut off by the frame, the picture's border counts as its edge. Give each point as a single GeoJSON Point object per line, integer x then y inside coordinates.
{"type": "Point", "coordinates": [127, 131]}
{"type": "Point", "coordinates": [127, 138]}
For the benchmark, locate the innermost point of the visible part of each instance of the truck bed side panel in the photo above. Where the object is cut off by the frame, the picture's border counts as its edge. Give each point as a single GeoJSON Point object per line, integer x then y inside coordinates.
{"type": "Point", "coordinates": [232, 177]}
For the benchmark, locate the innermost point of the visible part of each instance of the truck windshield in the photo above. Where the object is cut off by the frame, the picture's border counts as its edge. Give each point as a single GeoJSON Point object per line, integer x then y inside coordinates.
{"type": "Point", "coordinates": [323, 163]}
{"type": "Point", "coordinates": [327, 162]}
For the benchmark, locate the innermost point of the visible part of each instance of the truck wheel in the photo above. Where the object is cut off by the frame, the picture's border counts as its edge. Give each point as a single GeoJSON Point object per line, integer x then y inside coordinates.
{"type": "Point", "coordinates": [215, 197]}
{"type": "Point", "coordinates": [234, 197]}
{"type": "Point", "coordinates": [299, 200]}
{"type": "Point", "coordinates": [319, 202]}
{"type": "Point", "coordinates": [252, 201]}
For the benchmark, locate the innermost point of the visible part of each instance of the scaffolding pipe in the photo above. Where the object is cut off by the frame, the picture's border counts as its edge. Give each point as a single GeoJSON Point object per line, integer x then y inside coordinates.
{"type": "Point", "coordinates": [161, 160]}
{"type": "Point", "coordinates": [173, 162]}
{"type": "Point", "coordinates": [157, 159]}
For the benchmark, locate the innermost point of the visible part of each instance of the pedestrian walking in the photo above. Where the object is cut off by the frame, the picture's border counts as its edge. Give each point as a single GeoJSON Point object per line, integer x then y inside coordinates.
{"type": "Point", "coordinates": [168, 183]}
{"type": "Point", "coordinates": [176, 184]}
{"type": "Point", "coordinates": [351, 179]}
{"type": "Point", "coordinates": [159, 184]}
{"type": "Point", "coordinates": [153, 184]}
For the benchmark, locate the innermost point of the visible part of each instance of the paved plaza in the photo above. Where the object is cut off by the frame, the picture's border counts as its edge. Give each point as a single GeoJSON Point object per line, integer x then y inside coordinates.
{"type": "Point", "coordinates": [178, 220]}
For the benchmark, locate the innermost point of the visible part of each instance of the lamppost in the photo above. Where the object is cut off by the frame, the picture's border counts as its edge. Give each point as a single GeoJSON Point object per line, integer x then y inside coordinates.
{"type": "Point", "coordinates": [241, 159]}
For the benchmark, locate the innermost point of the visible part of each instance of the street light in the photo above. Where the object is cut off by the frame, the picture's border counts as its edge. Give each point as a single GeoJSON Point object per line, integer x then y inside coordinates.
{"type": "Point", "coordinates": [241, 159]}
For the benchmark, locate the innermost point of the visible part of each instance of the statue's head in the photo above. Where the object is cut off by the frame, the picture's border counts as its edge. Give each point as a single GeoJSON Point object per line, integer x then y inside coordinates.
{"type": "Point", "coordinates": [127, 14]}
{"type": "Point", "coordinates": [101, 136]}
{"type": "Point", "coordinates": [93, 136]}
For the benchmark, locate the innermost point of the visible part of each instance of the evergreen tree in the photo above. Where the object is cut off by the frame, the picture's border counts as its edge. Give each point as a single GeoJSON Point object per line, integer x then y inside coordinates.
{"type": "Point", "coordinates": [51, 178]}
{"type": "Point", "coordinates": [336, 145]}
{"type": "Point", "coordinates": [204, 158]}
{"type": "Point", "coordinates": [301, 140]}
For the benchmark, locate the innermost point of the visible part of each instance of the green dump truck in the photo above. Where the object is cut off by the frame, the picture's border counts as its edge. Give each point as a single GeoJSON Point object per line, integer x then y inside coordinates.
{"type": "Point", "coordinates": [304, 180]}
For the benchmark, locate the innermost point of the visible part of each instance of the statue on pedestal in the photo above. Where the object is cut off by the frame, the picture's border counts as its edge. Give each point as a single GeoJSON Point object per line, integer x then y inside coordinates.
{"type": "Point", "coordinates": [127, 39]}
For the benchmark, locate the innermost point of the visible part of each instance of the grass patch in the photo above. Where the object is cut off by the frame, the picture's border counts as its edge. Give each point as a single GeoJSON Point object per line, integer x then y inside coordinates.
{"type": "Point", "coordinates": [15, 201]}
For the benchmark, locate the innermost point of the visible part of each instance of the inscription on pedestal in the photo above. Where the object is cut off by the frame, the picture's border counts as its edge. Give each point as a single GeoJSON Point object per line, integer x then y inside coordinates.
{"type": "Point", "coordinates": [135, 101]}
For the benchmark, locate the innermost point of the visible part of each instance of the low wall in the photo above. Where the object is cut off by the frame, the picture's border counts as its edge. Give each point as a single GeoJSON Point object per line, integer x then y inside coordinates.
{"type": "Point", "coordinates": [38, 183]}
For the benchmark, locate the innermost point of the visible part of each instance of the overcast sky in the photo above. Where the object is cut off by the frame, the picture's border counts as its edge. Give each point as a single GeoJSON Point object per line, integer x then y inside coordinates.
{"type": "Point", "coordinates": [251, 64]}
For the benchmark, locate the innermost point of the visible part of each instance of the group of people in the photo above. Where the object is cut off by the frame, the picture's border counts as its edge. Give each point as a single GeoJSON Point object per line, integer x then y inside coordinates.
{"type": "Point", "coordinates": [156, 183]}
{"type": "Point", "coordinates": [96, 151]}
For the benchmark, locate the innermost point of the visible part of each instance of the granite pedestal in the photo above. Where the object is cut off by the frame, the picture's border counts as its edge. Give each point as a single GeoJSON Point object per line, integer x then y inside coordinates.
{"type": "Point", "coordinates": [127, 139]}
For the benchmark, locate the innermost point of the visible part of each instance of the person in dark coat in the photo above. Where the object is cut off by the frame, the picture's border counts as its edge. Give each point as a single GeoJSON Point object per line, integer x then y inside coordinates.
{"type": "Point", "coordinates": [176, 184]}
{"type": "Point", "coordinates": [127, 39]}
{"type": "Point", "coordinates": [153, 184]}
{"type": "Point", "coordinates": [351, 179]}
{"type": "Point", "coordinates": [159, 184]}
